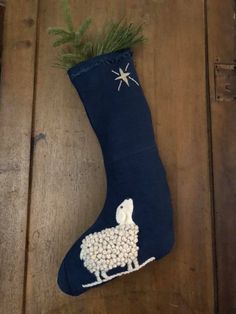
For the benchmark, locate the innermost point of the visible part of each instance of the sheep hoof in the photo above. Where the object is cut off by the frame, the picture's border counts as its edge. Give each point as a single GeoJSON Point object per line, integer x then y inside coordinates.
{"type": "Point", "coordinates": [130, 267]}
{"type": "Point", "coordinates": [104, 275]}
{"type": "Point", "coordinates": [136, 264]}
{"type": "Point", "coordinates": [97, 274]}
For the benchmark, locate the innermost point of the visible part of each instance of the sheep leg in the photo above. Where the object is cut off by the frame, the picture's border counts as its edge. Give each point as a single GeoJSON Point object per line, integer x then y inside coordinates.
{"type": "Point", "coordinates": [97, 274]}
{"type": "Point", "coordinates": [104, 275]}
{"type": "Point", "coordinates": [135, 262]}
{"type": "Point", "coordinates": [130, 266]}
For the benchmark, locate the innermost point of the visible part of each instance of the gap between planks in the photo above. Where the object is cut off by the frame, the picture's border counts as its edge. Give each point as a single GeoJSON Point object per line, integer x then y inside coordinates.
{"type": "Point", "coordinates": [210, 157]}
{"type": "Point", "coordinates": [31, 157]}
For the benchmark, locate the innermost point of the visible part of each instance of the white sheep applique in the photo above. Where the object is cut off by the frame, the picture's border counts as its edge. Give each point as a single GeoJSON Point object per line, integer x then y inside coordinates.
{"type": "Point", "coordinates": [112, 247]}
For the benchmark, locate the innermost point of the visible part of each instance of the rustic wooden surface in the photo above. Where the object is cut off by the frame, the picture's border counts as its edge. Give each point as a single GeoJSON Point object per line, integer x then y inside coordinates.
{"type": "Point", "coordinates": [54, 186]}
{"type": "Point", "coordinates": [17, 89]}
{"type": "Point", "coordinates": [222, 50]}
{"type": "Point", "coordinates": [2, 12]}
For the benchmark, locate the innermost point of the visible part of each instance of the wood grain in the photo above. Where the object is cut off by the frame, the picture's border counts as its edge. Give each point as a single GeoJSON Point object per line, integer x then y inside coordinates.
{"type": "Point", "coordinates": [68, 179]}
{"type": "Point", "coordinates": [222, 49]}
{"type": "Point", "coordinates": [15, 132]}
{"type": "Point", "coordinates": [178, 103]}
{"type": "Point", "coordinates": [2, 11]}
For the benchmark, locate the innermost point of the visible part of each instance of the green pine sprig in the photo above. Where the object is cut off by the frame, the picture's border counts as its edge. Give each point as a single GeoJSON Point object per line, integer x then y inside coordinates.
{"type": "Point", "coordinates": [77, 46]}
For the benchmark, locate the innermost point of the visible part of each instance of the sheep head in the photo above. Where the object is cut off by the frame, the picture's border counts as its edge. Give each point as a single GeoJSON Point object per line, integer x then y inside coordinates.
{"type": "Point", "coordinates": [124, 212]}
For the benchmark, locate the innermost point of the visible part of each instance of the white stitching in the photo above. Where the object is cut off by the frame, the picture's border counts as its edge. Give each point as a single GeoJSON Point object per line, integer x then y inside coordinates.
{"type": "Point", "coordinates": [113, 247]}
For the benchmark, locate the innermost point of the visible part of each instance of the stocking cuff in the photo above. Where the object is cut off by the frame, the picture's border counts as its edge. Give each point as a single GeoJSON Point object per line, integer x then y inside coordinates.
{"type": "Point", "coordinates": [107, 58]}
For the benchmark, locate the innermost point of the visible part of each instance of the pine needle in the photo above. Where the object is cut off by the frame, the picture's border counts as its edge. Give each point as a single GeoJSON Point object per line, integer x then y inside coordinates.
{"type": "Point", "coordinates": [115, 35]}
{"type": "Point", "coordinates": [67, 15]}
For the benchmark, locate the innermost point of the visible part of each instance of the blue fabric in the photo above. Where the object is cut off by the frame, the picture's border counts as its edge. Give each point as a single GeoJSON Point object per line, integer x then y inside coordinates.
{"type": "Point", "coordinates": [122, 122]}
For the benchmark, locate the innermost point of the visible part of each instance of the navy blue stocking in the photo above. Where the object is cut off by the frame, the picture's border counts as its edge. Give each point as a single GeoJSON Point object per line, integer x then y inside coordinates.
{"type": "Point", "coordinates": [135, 226]}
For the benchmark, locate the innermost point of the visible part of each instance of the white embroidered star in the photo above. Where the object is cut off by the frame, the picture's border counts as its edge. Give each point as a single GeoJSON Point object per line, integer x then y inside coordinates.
{"type": "Point", "coordinates": [124, 76]}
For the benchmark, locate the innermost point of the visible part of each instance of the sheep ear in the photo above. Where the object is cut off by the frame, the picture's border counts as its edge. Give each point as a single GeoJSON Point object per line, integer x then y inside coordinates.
{"type": "Point", "coordinates": [128, 217]}
{"type": "Point", "coordinates": [120, 216]}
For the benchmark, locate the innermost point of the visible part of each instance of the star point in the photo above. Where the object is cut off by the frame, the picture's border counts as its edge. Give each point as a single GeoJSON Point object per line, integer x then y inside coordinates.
{"type": "Point", "coordinates": [124, 76]}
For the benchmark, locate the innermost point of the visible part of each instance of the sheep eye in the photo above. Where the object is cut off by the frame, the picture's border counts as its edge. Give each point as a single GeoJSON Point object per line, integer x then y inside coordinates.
{"type": "Point", "coordinates": [121, 207]}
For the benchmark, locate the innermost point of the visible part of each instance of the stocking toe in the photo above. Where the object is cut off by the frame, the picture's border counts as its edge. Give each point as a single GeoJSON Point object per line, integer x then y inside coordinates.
{"type": "Point", "coordinates": [62, 280]}
{"type": "Point", "coordinates": [71, 275]}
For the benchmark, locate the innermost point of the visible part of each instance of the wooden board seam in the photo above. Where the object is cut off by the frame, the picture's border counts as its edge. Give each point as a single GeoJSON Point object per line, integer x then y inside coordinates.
{"type": "Point", "coordinates": [31, 157]}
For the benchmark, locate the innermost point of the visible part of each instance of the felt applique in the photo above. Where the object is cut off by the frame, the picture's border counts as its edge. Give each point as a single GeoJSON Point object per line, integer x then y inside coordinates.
{"type": "Point", "coordinates": [112, 247]}
{"type": "Point", "coordinates": [124, 76]}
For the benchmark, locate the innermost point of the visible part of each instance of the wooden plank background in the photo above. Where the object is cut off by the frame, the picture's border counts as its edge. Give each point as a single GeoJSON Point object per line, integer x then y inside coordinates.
{"type": "Point", "coordinates": [17, 89]}
{"type": "Point", "coordinates": [54, 185]}
{"type": "Point", "coordinates": [222, 50]}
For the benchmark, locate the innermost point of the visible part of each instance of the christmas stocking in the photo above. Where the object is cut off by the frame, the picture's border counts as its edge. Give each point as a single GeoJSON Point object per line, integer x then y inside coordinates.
{"type": "Point", "coordinates": [135, 224]}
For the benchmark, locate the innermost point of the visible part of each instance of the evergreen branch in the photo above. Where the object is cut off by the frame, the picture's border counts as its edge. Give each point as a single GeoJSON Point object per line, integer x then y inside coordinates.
{"type": "Point", "coordinates": [58, 31]}
{"type": "Point", "coordinates": [83, 27]}
{"type": "Point", "coordinates": [67, 15]}
{"type": "Point", "coordinates": [79, 34]}
{"type": "Point", "coordinates": [113, 37]}
{"type": "Point", "coordinates": [63, 40]}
